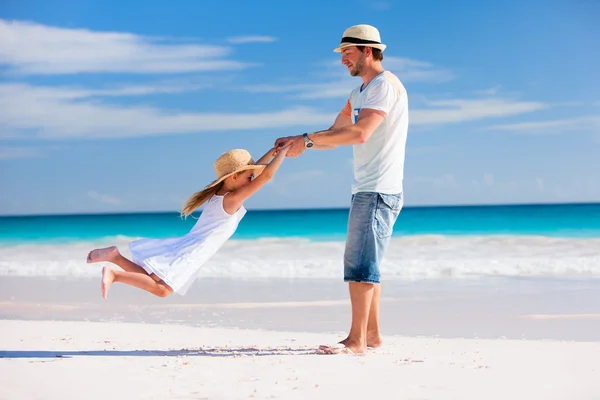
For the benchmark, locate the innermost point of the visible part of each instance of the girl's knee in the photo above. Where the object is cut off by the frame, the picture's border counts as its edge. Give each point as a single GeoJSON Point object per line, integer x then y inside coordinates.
{"type": "Point", "coordinates": [163, 290]}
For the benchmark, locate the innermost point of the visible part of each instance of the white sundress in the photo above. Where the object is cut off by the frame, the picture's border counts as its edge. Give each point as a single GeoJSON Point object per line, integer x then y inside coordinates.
{"type": "Point", "coordinates": [177, 261]}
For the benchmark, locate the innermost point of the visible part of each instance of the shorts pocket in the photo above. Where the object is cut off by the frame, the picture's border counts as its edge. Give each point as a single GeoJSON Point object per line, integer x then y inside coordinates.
{"type": "Point", "coordinates": [387, 211]}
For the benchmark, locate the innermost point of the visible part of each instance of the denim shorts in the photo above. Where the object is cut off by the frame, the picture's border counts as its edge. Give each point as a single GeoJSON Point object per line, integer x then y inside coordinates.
{"type": "Point", "coordinates": [370, 225]}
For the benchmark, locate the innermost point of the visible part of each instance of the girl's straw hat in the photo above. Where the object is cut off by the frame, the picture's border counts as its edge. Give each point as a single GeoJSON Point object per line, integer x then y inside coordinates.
{"type": "Point", "coordinates": [232, 162]}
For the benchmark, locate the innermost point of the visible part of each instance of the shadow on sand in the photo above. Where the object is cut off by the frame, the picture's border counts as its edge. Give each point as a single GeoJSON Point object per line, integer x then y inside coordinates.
{"type": "Point", "coordinates": [200, 352]}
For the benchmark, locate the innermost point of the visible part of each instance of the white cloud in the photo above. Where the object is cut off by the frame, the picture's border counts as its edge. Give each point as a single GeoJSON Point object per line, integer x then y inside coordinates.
{"type": "Point", "coordinates": [489, 92]}
{"type": "Point", "coordinates": [31, 48]}
{"type": "Point", "coordinates": [488, 179]}
{"type": "Point", "coordinates": [72, 112]}
{"type": "Point", "coordinates": [572, 103]}
{"type": "Point", "coordinates": [13, 152]}
{"type": "Point", "coordinates": [142, 90]}
{"type": "Point", "coordinates": [445, 180]}
{"type": "Point", "coordinates": [285, 184]}
{"type": "Point", "coordinates": [74, 92]}
{"type": "Point", "coordinates": [462, 110]}
{"type": "Point", "coordinates": [306, 91]}
{"type": "Point", "coordinates": [58, 113]}
{"type": "Point", "coordinates": [425, 149]}
{"type": "Point", "coordinates": [306, 175]}
{"type": "Point", "coordinates": [539, 182]}
{"type": "Point", "coordinates": [251, 39]}
{"type": "Point", "coordinates": [104, 198]}
{"type": "Point", "coordinates": [381, 5]}
{"type": "Point", "coordinates": [408, 70]}
{"type": "Point", "coordinates": [556, 126]}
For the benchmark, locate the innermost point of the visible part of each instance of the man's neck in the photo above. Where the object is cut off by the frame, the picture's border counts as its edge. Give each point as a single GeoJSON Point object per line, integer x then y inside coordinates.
{"type": "Point", "coordinates": [371, 73]}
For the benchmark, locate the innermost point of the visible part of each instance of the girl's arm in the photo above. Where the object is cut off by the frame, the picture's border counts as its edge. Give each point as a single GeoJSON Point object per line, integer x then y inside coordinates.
{"type": "Point", "coordinates": [236, 198]}
{"type": "Point", "coordinates": [268, 155]}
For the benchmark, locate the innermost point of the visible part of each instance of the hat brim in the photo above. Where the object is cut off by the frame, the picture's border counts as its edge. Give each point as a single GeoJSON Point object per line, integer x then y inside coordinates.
{"type": "Point", "coordinates": [258, 168]}
{"type": "Point", "coordinates": [346, 44]}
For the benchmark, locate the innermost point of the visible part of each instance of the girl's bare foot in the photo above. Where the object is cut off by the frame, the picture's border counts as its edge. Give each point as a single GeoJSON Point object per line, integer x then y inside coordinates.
{"type": "Point", "coordinates": [108, 276]}
{"type": "Point", "coordinates": [105, 254]}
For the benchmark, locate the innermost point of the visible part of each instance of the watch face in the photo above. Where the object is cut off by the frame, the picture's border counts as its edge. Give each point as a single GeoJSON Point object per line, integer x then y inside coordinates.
{"type": "Point", "coordinates": [307, 141]}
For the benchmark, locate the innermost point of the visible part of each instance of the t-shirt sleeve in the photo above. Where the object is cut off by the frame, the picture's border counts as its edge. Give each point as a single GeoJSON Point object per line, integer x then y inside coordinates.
{"type": "Point", "coordinates": [347, 110]}
{"type": "Point", "coordinates": [381, 96]}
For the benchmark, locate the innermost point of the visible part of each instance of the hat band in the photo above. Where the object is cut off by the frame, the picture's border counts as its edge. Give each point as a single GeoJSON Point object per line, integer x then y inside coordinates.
{"type": "Point", "coordinates": [349, 39]}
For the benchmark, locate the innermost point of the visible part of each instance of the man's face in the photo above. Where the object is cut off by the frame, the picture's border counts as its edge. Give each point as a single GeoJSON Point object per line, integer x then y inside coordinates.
{"type": "Point", "coordinates": [354, 59]}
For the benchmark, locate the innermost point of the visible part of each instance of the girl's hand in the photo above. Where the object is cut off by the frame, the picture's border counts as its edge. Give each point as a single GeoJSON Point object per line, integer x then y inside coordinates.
{"type": "Point", "coordinates": [276, 150]}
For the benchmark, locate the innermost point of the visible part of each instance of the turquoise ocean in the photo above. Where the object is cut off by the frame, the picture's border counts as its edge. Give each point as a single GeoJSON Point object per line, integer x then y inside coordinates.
{"type": "Point", "coordinates": [428, 242]}
{"type": "Point", "coordinates": [555, 220]}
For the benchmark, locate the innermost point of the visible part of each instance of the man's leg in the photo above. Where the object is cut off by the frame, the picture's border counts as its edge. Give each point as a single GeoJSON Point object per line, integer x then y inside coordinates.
{"type": "Point", "coordinates": [373, 331]}
{"type": "Point", "coordinates": [387, 209]}
{"type": "Point", "coordinates": [372, 217]}
{"type": "Point", "coordinates": [374, 338]}
{"type": "Point", "coordinates": [359, 270]}
{"type": "Point", "coordinates": [361, 295]}
{"type": "Point", "coordinates": [370, 227]}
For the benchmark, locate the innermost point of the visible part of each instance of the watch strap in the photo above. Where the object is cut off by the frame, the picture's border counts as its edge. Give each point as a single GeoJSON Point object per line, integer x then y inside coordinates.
{"type": "Point", "coordinates": [307, 141]}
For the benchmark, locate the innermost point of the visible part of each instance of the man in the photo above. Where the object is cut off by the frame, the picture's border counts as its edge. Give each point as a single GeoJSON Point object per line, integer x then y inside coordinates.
{"type": "Point", "coordinates": [375, 122]}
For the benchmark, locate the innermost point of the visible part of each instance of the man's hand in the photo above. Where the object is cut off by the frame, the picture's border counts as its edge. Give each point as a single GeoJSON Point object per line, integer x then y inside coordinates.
{"type": "Point", "coordinates": [296, 144]}
{"type": "Point", "coordinates": [282, 141]}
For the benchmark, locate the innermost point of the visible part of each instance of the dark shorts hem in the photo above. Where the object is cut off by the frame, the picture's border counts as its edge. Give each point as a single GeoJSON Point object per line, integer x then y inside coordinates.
{"type": "Point", "coordinates": [374, 282]}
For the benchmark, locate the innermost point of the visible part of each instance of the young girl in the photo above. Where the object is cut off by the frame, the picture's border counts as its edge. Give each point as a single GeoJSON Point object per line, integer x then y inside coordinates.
{"type": "Point", "coordinates": [163, 266]}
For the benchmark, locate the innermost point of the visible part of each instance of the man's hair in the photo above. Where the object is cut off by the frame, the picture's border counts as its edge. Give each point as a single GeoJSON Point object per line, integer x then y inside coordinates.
{"type": "Point", "coordinates": [377, 54]}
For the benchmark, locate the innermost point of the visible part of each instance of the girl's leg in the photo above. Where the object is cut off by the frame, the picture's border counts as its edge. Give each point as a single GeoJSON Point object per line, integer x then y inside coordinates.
{"type": "Point", "coordinates": [134, 275]}
{"type": "Point", "coordinates": [111, 254]}
{"type": "Point", "coordinates": [141, 281]}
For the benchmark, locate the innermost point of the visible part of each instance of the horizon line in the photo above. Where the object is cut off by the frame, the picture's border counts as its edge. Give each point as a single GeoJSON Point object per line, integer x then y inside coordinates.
{"type": "Point", "coordinates": [465, 205]}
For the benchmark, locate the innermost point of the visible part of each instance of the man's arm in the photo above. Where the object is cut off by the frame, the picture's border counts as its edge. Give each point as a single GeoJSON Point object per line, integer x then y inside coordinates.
{"type": "Point", "coordinates": [368, 121]}
{"type": "Point", "coordinates": [380, 99]}
{"type": "Point", "coordinates": [360, 132]}
{"type": "Point", "coordinates": [341, 121]}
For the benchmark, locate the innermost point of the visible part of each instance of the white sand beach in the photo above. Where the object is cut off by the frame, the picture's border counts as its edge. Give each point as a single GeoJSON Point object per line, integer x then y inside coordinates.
{"type": "Point", "coordinates": [90, 360]}
{"type": "Point", "coordinates": [239, 339]}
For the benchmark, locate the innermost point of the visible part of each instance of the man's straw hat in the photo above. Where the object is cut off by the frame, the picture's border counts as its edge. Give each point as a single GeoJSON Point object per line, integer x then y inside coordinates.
{"type": "Point", "coordinates": [361, 35]}
{"type": "Point", "coordinates": [232, 162]}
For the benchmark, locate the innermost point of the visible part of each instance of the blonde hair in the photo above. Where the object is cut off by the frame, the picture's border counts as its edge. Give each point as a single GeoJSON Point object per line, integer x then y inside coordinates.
{"type": "Point", "coordinates": [199, 198]}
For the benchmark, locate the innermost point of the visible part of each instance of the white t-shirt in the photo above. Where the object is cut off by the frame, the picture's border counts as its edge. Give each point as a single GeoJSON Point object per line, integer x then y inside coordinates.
{"type": "Point", "coordinates": [379, 162]}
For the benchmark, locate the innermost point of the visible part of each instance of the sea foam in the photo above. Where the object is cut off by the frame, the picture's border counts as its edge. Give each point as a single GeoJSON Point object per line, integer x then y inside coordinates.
{"type": "Point", "coordinates": [408, 258]}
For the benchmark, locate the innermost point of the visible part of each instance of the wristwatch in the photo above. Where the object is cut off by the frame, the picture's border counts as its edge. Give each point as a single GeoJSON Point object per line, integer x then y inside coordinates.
{"type": "Point", "coordinates": [307, 142]}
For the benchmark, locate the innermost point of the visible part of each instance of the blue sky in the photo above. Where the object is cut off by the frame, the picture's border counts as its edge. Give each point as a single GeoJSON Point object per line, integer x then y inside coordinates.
{"type": "Point", "coordinates": [123, 106]}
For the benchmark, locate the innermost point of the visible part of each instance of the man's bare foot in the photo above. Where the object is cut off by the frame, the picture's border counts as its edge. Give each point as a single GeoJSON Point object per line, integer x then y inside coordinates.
{"type": "Point", "coordinates": [373, 341]}
{"type": "Point", "coordinates": [339, 348]}
{"type": "Point", "coordinates": [108, 276]}
{"type": "Point", "coordinates": [105, 254]}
